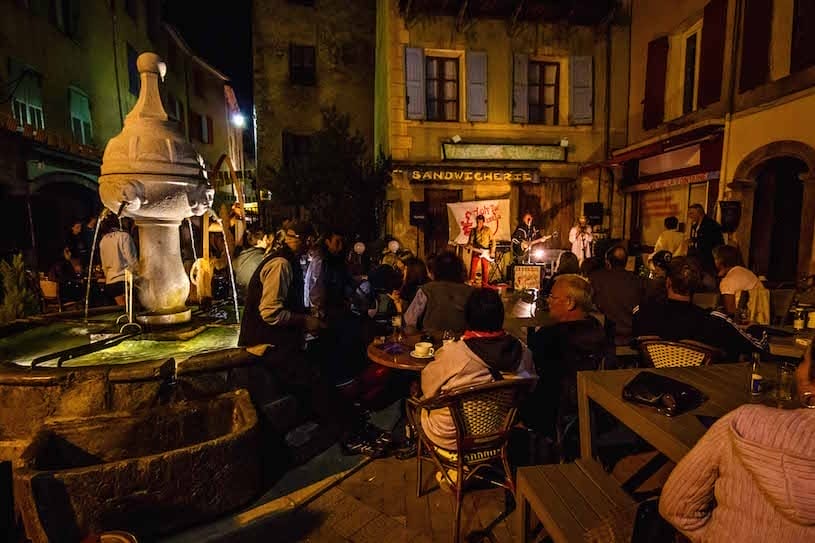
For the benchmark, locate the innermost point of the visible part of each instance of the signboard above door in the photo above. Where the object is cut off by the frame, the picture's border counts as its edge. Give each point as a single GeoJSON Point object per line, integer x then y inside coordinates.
{"type": "Point", "coordinates": [505, 152]}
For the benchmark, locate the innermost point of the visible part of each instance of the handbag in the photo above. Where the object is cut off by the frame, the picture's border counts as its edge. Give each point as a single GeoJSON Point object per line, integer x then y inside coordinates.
{"type": "Point", "coordinates": [668, 396]}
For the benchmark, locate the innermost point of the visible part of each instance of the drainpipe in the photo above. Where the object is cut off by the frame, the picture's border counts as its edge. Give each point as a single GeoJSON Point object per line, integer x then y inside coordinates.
{"type": "Point", "coordinates": [607, 146]}
{"type": "Point", "coordinates": [730, 98]}
{"type": "Point", "coordinates": [114, 37]}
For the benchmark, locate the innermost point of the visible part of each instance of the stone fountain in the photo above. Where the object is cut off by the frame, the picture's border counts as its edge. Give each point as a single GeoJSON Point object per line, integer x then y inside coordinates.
{"type": "Point", "coordinates": [152, 174]}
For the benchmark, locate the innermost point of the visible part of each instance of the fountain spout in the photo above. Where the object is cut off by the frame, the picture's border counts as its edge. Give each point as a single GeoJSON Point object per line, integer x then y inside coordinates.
{"type": "Point", "coordinates": [153, 175]}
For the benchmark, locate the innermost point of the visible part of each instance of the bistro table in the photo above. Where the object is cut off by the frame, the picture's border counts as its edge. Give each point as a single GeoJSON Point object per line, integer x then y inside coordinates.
{"type": "Point", "coordinates": [725, 385]}
{"type": "Point", "coordinates": [792, 346]}
{"type": "Point", "coordinates": [401, 360]}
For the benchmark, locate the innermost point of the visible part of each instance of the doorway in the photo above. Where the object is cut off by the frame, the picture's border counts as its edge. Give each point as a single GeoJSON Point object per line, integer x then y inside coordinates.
{"type": "Point", "coordinates": [437, 227]}
{"type": "Point", "coordinates": [552, 207]}
{"type": "Point", "coordinates": [776, 228]}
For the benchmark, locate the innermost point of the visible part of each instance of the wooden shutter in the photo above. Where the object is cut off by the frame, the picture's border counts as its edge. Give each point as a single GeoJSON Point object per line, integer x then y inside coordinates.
{"type": "Point", "coordinates": [415, 108]}
{"type": "Point", "coordinates": [476, 65]}
{"type": "Point", "coordinates": [803, 36]}
{"type": "Point", "coordinates": [653, 109]}
{"type": "Point", "coordinates": [210, 137]}
{"type": "Point", "coordinates": [581, 90]}
{"type": "Point", "coordinates": [520, 92]}
{"type": "Point", "coordinates": [755, 44]}
{"type": "Point", "coordinates": [711, 62]}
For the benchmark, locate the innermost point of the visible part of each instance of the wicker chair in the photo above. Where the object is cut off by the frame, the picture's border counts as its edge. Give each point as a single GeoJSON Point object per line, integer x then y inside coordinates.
{"type": "Point", "coordinates": [672, 354]}
{"type": "Point", "coordinates": [706, 300]}
{"type": "Point", "coordinates": [780, 302]}
{"type": "Point", "coordinates": [483, 416]}
{"type": "Point", "coordinates": [49, 296]}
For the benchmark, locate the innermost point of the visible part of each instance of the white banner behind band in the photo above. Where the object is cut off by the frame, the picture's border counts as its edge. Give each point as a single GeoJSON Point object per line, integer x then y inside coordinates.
{"type": "Point", "coordinates": [461, 217]}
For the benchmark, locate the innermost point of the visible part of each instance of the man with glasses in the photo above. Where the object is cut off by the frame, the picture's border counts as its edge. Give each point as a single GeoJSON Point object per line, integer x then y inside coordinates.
{"type": "Point", "coordinates": [574, 343]}
{"type": "Point", "coordinates": [276, 315]}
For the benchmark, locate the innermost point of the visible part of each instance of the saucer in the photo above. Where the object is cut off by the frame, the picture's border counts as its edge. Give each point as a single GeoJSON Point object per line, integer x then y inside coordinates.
{"type": "Point", "coordinates": [414, 354]}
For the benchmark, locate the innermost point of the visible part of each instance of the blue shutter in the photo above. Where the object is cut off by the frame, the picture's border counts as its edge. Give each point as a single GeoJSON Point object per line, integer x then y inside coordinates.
{"type": "Point", "coordinates": [581, 90]}
{"type": "Point", "coordinates": [520, 92]}
{"type": "Point", "coordinates": [414, 83]}
{"type": "Point", "coordinates": [476, 65]}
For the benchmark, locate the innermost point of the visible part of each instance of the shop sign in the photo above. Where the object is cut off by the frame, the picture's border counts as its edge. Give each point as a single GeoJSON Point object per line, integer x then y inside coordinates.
{"type": "Point", "coordinates": [664, 183]}
{"type": "Point", "coordinates": [446, 175]}
{"type": "Point", "coordinates": [503, 151]}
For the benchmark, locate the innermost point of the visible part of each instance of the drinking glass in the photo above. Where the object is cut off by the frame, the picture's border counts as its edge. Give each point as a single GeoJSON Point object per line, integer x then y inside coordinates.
{"type": "Point", "coordinates": [447, 337]}
{"type": "Point", "coordinates": [784, 381]}
{"type": "Point", "coordinates": [396, 322]}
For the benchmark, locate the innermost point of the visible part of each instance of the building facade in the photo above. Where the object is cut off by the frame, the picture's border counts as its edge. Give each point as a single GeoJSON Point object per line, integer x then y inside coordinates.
{"type": "Point", "coordinates": [718, 115]}
{"type": "Point", "coordinates": [67, 79]}
{"type": "Point", "coordinates": [308, 56]}
{"type": "Point", "coordinates": [501, 103]}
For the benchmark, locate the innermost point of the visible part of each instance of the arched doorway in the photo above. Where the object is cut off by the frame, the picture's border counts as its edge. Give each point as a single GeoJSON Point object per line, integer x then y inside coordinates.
{"type": "Point", "coordinates": [56, 201]}
{"type": "Point", "coordinates": [776, 230]}
{"type": "Point", "coordinates": [776, 185]}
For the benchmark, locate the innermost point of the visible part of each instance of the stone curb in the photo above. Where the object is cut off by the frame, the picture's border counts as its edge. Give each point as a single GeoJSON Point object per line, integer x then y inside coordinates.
{"type": "Point", "coordinates": [229, 529]}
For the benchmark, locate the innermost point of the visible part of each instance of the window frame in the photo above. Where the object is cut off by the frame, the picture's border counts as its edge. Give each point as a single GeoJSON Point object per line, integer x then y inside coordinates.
{"type": "Point", "coordinates": [27, 109]}
{"type": "Point", "coordinates": [542, 85]}
{"type": "Point", "coordinates": [85, 136]}
{"type": "Point", "coordinates": [696, 30]}
{"type": "Point", "coordinates": [293, 147]}
{"type": "Point", "coordinates": [438, 114]}
{"type": "Point", "coordinates": [299, 74]}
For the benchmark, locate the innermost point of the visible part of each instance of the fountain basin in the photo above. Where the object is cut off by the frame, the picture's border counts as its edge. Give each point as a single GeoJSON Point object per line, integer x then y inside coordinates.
{"type": "Point", "coordinates": [149, 473]}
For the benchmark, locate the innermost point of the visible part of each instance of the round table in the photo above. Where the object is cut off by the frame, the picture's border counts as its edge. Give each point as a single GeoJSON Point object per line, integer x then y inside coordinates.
{"type": "Point", "coordinates": [402, 360]}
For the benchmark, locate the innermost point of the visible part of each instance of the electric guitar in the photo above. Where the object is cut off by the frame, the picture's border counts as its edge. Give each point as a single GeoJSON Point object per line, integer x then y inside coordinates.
{"type": "Point", "coordinates": [525, 245]}
{"type": "Point", "coordinates": [483, 253]}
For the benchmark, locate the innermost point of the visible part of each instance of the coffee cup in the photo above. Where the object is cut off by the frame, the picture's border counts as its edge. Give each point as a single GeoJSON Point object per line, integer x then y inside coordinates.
{"type": "Point", "coordinates": [424, 348]}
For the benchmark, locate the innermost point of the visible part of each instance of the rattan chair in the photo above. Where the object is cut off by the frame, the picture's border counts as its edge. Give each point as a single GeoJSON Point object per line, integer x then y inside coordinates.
{"type": "Point", "coordinates": [483, 416]}
{"type": "Point", "coordinates": [672, 354]}
{"type": "Point", "coordinates": [706, 300]}
{"type": "Point", "coordinates": [49, 296]}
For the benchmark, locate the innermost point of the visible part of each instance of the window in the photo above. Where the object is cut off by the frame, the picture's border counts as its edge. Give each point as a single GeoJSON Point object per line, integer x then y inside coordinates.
{"type": "Point", "coordinates": [175, 111]}
{"type": "Point", "coordinates": [543, 90]}
{"type": "Point", "coordinates": [26, 102]}
{"type": "Point", "coordinates": [200, 128]}
{"type": "Point", "coordinates": [302, 69]}
{"type": "Point", "coordinates": [132, 8]}
{"type": "Point", "coordinates": [690, 69]}
{"type": "Point", "coordinates": [803, 36]}
{"type": "Point", "coordinates": [64, 14]}
{"type": "Point", "coordinates": [80, 109]}
{"type": "Point", "coordinates": [198, 83]}
{"type": "Point", "coordinates": [441, 82]}
{"type": "Point", "coordinates": [132, 70]}
{"type": "Point", "coordinates": [295, 148]}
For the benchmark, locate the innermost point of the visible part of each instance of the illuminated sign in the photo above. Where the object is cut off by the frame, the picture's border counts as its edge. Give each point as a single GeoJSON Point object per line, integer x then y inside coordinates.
{"type": "Point", "coordinates": [429, 175]}
{"type": "Point", "coordinates": [495, 151]}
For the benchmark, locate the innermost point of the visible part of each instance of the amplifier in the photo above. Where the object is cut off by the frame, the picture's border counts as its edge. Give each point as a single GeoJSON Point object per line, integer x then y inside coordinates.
{"type": "Point", "coordinates": [527, 277]}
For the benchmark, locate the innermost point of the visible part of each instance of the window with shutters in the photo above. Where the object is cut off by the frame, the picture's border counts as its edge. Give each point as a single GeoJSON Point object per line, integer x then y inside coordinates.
{"type": "Point", "coordinates": [803, 36]}
{"type": "Point", "coordinates": [441, 84]}
{"type": "Point", "coordinates": [690, 67]}
{"type": "Point", "coordinates": [80, 110]}
{"type": "Point", "coordinates": [64, 14]}
{"type": "Point", "coordinates": [754, 68]}
{"type": "Point", "coordinates": [206, 129]}
{"type": "Point", "coordinates": [132, 70]}
{"type": "Point", "coordinates": [198, 84]}
{"type": "Point", "coordinates": [302, 65]}
{"type": "Point", "coordinates": [543, 88]}
{"type": "Point", "coordinates": [196, 126]}
{"type": "Point", "coordinates": [296, 147]}
{"type": "Point", "coordinates": [26, 99]}
{"type": "Point", "coordinates": [175, 111]}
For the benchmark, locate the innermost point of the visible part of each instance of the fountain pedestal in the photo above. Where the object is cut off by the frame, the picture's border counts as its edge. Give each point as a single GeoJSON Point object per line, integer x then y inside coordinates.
{"type": "Point", "coordinates": [152, 174]}
{"type": "Point", "coordinates": [163, 283]}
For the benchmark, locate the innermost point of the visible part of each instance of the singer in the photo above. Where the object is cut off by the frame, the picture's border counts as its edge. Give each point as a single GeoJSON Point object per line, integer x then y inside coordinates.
{"type": "Point", "coordinates": [581, 239]}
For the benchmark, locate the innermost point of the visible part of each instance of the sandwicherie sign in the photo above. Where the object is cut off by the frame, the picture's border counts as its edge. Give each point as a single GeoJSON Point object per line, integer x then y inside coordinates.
{"type": "Point", "coordinates": [447, 175]}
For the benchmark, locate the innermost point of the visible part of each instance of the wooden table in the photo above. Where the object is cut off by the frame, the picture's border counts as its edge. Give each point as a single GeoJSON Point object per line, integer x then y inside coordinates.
{"type": "Point", "coordinates": [788, 346]}
{"type": "Point", "coordinates": [401, 361]}
{"type": "Point", "coordinates": [725, 385]}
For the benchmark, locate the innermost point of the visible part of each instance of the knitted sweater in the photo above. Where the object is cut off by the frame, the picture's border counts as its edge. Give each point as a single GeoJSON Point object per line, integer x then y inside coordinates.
{"type": "Point", "coordinates": [750, 478]}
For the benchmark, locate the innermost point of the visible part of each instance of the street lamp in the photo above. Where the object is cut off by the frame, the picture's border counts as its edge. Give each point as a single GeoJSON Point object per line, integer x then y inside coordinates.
{"type": "Point", "coordinates": [238, 120]}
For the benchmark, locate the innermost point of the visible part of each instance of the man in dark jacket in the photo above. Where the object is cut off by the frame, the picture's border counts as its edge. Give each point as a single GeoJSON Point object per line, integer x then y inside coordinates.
{"type": "Point", "coordinates": [275, 314]}
{"type": "Point", "coordinates": [677, 318]}
{"type": "Point", "coordinates": [617, 292]}
{"type": "Point", "coordinates": [576, 342]}
{"type": "Point", "coordinates": [705, 234]}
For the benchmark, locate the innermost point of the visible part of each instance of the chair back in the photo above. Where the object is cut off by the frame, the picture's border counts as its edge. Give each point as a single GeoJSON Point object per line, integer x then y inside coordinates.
{"type": "Point", "coordinates": [706, 300]}
{"type": "Point", "coordinates": [671, 354]}
{"type": "Point", "coordinates": [483, 414]}
{"type": "Point", "coordinates": [780, 303]}
{"type": "Point", "coordinates": [49, 289]}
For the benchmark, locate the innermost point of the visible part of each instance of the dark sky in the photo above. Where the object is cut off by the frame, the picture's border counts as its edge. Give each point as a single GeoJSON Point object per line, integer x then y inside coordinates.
{"type": "Point", "coordinates": [221, 34]}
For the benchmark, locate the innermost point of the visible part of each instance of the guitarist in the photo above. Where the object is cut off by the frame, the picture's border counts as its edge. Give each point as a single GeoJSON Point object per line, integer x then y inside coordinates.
{"type": "Point", "coordinates": [483, 250]}
{"type": "Point", "coordinates": [525, 236]}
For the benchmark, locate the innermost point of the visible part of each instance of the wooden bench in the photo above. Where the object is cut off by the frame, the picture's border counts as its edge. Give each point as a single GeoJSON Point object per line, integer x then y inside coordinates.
{"type": "Point", "coordinates": [567, 499]}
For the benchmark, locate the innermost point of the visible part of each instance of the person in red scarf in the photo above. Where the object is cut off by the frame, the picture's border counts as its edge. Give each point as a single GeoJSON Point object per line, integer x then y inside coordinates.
{"type": "Point", "coordinates": [483, 354]}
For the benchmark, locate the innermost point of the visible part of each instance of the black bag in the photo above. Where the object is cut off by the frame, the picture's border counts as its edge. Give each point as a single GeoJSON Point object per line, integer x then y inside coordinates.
{"type": "Point", "coordinates": [669, 396]}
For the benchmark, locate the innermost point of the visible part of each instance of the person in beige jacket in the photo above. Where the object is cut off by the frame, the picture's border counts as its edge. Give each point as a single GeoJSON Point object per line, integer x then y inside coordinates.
{"type": "Point", "coordinates": [751, 477]}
